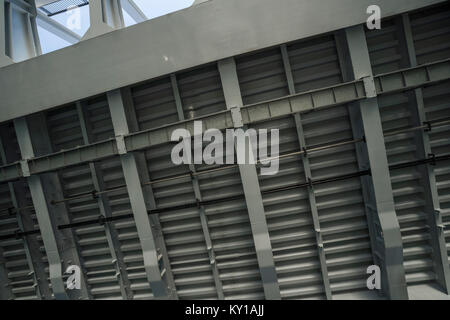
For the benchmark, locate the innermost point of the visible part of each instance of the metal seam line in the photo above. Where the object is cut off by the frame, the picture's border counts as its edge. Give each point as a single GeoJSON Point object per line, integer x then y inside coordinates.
{"type": "Point", "coordinates": [144, 171]}
{"type": "Point", "coordinates": [67, 240]}
{"type": "Point", "coordinates": [198, 196]}
{"type": "Point", "coordinates": [42, 213]}
{"type": "Point", "coordinates": [31, 244]}
{"type": "Point", "coordinates": [46, 187]}
{"type": "Point", "coordinates": [105, 210]}
{"type": "Point", "coordinates": [20, 225]}
{"type": "Point", "coordinates": [362, 159]}
{"type": "Point", "coordinates": [428, 177]}
{"type": "Point", "coordinates": [308, 176]}
{"type": "Point", "coordinates": [137, 199]}
{"type": "Point", "coordinates": [252, 192]}
{"type": "Point", "coordinates": [345, 93]}
{"type": "Point", "coordinates": [430, 160]}
{"type": "Point", "coordinates": [393, 267]}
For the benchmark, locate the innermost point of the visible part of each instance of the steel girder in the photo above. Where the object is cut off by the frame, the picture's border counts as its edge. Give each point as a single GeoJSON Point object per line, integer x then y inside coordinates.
{"type": "Point", "coordinates": [31, 245]}
{"type": "Point", "coordinates": [151, 257]}
{"type": "Point", "coordinates": [381, 199]}
{"type": "Point", "coordinates": [353, 91]}
{"type": "Point", "coordinates": [61, 246]}
{"type": "Point", "coordinates": [198, 196]}
{"type": "Point", "coordinates": [308, 177]}
{"type": "Point", "coordinates": [428, 177]}
{"type": "Point", "coordinates": [250, 183]}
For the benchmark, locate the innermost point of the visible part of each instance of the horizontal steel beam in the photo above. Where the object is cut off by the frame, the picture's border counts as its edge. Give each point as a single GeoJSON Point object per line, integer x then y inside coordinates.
{"type": "Point", "coordinates": [191, 37]}
{"type": "Point", "coordinates": [402, 80]}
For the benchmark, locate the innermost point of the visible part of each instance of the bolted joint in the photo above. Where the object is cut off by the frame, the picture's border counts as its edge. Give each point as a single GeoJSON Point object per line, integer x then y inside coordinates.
{"type": "Point", "coordinates": [236, 116]}
{"type": "Point", "coordinates": [121, 147]}
{"type": "Point", "coordinates": [25, 168]}
{"type": "Point", "coordinates": [369, 87]}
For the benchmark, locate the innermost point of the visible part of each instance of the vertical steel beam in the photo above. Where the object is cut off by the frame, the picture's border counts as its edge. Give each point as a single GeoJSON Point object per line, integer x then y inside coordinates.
{"type": "Point", "coordinates": [60, 245]}
{"type": "Point", "coordinates": [144, 172]}
{"type": "Point", "coordinates": [160, 288]}
{"type": "Point", "coordinates": [199, 198]}
{"type": "Point", "coordinates": [428, 177]}
{"type": "Point", "coordinates": [42, 213]}
{"type": "Point", "coordinates": [381, 199]}
{"type": "Point", "coordinates": [105, 210]}
{"type": "Point", "coordinates": [31, 245]}
{"type": "Point", "coordinates": [105, 16]}
{"type": "Point", "coordinates": [308, 176]}
{"type": "Point", "coordinates": [19, 39]}
{"type": "Point", "coordinates": [362, 156]}
{"type": "Point", "coordinates": [5, 34]}
{"type": "Point", "coordinates": [252, 192]}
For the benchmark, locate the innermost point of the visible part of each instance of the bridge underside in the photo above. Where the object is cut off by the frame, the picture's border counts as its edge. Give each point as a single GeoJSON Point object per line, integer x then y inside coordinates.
{"type": "Point", "coordinates": [364, 119]}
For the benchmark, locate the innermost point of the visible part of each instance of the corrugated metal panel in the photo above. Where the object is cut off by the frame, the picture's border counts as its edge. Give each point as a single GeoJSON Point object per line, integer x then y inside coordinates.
{"type": "Point", "coordinates": [228, 223]}
{"type": "Point", "coordinates": [314, 64]}
{"type": "Point", "coordinates": [111, 170]}
{"type": "Point", "coordinates": [396, 114]}
{"type": "Point", "coordinates": [431, 33]}
{"type": "Point", "coordinates": [340, 205]}
{"type": "Point", "coordinates": [18, 267]}
{"type": "Point", "coordinates": [65, 132]}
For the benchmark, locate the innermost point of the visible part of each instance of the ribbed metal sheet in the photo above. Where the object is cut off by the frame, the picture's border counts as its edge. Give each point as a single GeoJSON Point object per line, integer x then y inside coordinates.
{"type": "Point", "coordinates": [343, 223]}
{"type": "Point", "coordinates": [431, 33]}
{"type": "Point", "coordinates": [18, 264]}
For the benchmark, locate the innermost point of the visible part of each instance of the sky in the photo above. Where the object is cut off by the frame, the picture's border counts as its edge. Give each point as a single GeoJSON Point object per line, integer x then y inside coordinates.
{"type": "Point", "coordinates": [151, 8]}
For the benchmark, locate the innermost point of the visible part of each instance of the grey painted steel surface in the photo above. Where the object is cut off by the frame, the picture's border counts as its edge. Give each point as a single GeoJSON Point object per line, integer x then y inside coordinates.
{"type": "Point", "coordinates": [61, 245]}
{"type": "Point", "coordinates": [31, 245]}
{"type": "Point", "coordinates": [326, 103]}
{"type": "Point", "coordinates": [362, 155]}
{"type": "Point", "coordinates": [155, 222]}
{"type": "Point", "coordinates": [137, 199]}
{"type": "Point", "coordinates": [428, 177]}
{"type": "Point", "coordinates": [197, 35]}
{"type": "Point", "coordinates": [43, 214]}
{"type": "Point", "coordinates": [5, 286]}
{"type": "Point", "coordinates": [250, 183]}
{"type": "Point", "coordinates": [198, 196]}
{"type": "Point", "coordinates": [19, 38]}
{"type": "Point", "coordinates": [382, 189]}
{"type": "Point", "coordinates": [308, 176]}
{"type": "Point", "coordinates": [105, 210]}
{"type": "Point", "coordinates": [105, 16]}
{"type": "Point", "coordinates": [398, 81]}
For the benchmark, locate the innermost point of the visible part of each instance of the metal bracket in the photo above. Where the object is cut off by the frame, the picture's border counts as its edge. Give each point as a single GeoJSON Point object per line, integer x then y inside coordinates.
{"type": "Point", "coordinates": [25, 168]}
{"type": "Point", "coordinates": [369, 87]}
{"type": "Point", "coordinates": [236, 116]}
{"type": "Point", "coordinates": [121, 147]}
